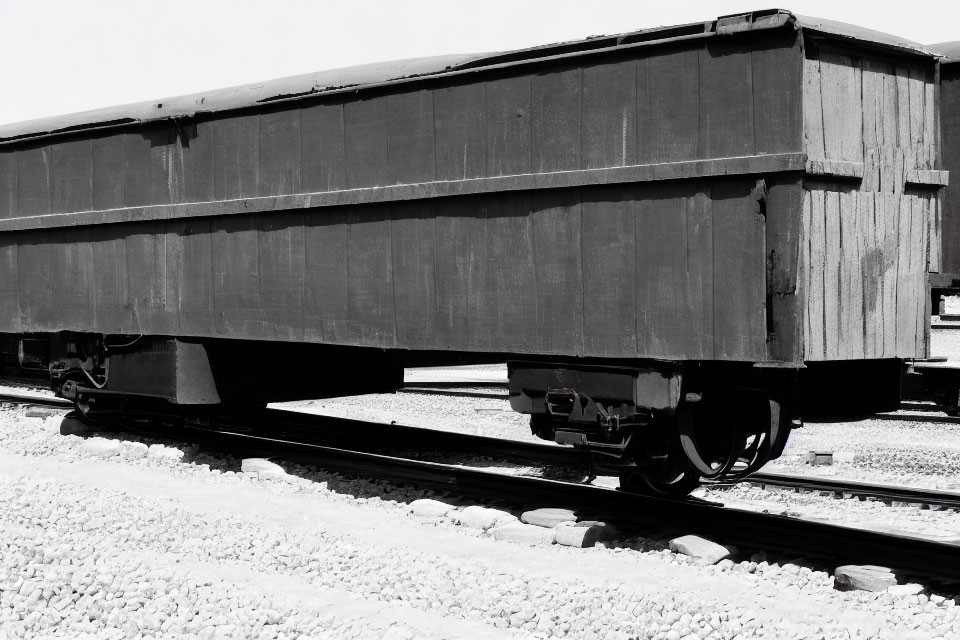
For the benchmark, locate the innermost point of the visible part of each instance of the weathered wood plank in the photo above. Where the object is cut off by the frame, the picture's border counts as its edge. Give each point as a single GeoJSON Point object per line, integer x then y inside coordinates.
{"type": "Point", "coordinates": [841, 94]}
{"type": "Point", "coordinates": [280, 269]}
{"type": "Point", "coordinates": [8, 185]}
{"type": "Point", "coordinates": [197, 157]}
{"type": "Point", "coordinates": [832, 308]}
{"type": "Point", "coordinates": [322, 159]}
{"type": "Point", "coordinates": [152, 294]}
{"type": "Point", "coordinates": [71, 176]}
{"type": "Point", "coordinates": [555, 121]}
{"type": "Point", "coordinates": [461, 266]}
{"type": "Point", "coordinates": [887, 217]}
{"type": "Point", "coordinates": [739, 270]}
{"type": "Point", "coordinates": [785, 232]}
{"type": "Point", "coordinates": [108, 178]}
{"type": "Point", "coordinates": [918, 143]}
{"type": "Point", "coordinates": [414, 272]}
{"type": "Point", "coordinates": [326, 277]}
{"type": "Point", "coordinates": [365, 146]}
{"type": "Point", "coordinates": [609, 115]}
{"type": "Point", "coordinates": [608, 241]}
{"type": "Point", "coordinates": [906, 150]}
{"type": "Point", "coordinates": [9, 287]}
{"type": "Point", "coordinates": [508, 126]}
{"type": "Point", "coordinates": [33, 181]}
{"type": "Point", "coordinates": [71, 281]}
{"type": "Point", "coordinates": [236, 157]}
{"type": "Point", "coordinates": [871, 258]}
{"type": "Point", "coordinates": [935, 233]}
{"type": "Point", "coordinates": [555, 229]}
{"type": "Point", "coordinates": [668, 107]}
{"type": "Point", "coordinates": [190, 250]}
{"type": "Point", "coordinates": [113, 308]}
{"type": "Point", "coordinates": [873, 139]}
{"type": "Point", "coordinates": [460, 131]}
{"type": "Point", "coordinates": [236, 281]}
{"type": "Point", "coordinates": [370, 303]}
{"type": "Point", "coordinates": [777, 82]}
{"type": "Point", "coordinates": [34, 258]}
{"type": "Point", "coordinates": [813, 108]}
{"type": "Point", "coordinates": [279, 160]}
{"type": "Point", "coordinates": [726, 126]}
{"type": "Point", "coordinates": [852, 326]}
{"type": "Point", "coordinates": [905, 304]}
{"type": "Point", "coordinates": [410, 142]}
{"type": "Point", "coordinates": [816, 348]}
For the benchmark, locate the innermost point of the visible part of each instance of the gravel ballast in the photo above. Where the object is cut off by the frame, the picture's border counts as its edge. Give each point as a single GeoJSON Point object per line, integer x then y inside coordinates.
{"type": "Point", "coordinates": [173, 542]}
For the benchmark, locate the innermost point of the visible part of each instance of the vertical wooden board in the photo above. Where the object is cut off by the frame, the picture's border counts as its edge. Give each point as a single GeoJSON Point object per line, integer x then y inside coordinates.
{"type": "Point", "coordinates": [803, 278]}
{"type": "Point", "coordinates": [784, 234]}
{"type": "Point", "coordinates": [508, 126]}
{"type": "Point", "coordinates": [280, 248]}
{"type": "Point", "coordinates": [934, 233]}
{"type": "Point", "coordinates": [890, 180]}
{"type": "Point", "coordinates": [919, 144]}
{"type": "Point", "coordinates": [322, 162]}
{"type": "Point", "coordinates": [872, 277]}
{"type": "Point", "coordinates": [279, 152]}
{"type": "Point", "coordinates": [930, 108]}
{"type": "Point", "coordinates": [326, 285]}
{"type": "Point", "coordinates": [608, 240]}
{"type": "Point", "coordinates": [414, 273]}
{"type": "Point", "coordinates": [873, 107]}
{"type": "Point", "coordinates": [852, 326]}
{"type": "Point", "coordinates": [555, 228]}
{"type": "Point", "coordinates": [9, 284]}
{"type": "Point", "coordinates": [166, 164]}
{"type": "Point", "coordinates": [112, 303]}
{"type": "Point", "coordinates": [365, 142]}
{"type": "Point", "coordinates": [841, 93]}
{"type": "Point", "coordinates": [608, 127]}
{"type": "Point", "coordinates": [137, 167]}
{"type": "Point", "coordinates": [555, 121]}
{"type": "Point", "coordinates": [192, 241]}
{"type": "Point", "coordinates": [832, 308]}
{"type": "Point", "coordinates": [503, 301]}
{"type": "Point", "coordinates": [668, 107]}
{"type": "Point", "coordinates": [460, 254]}
{"type": "Point", "coordinates": [777, 64]}
{"type": "Point", "coordinates": [887, 219]}
{"type": "Point", "coordinates": [904, 133]}
{"type": "Point", "coordinates": [108, 172]}
{"type": "Point", "coordinates": [460, 131]}
{"type": "Point", "coordinates": [675, 271]}
{"type": "Point", "coordinates": [410, 143]}
{"type": "Point", "coordinates": [236, 157]}
{"type": "Point", "coordinates": [816, 243]}
{"type": "Point", "coordinates": [739, 256]}
{"type": "Point", "coordinates": [236, 275]}
{"type": "Point", "coordinates": [814, 144]}
{"type": "Point", "coordinates": [71, 280]}
{"type": "Point", "coordinates": [153, 297]}
{"type": "Point", "coordinates": [726, 100]}
{"type": "Point", "coordinates": [370, 304]}
{"type": "Point", "coordinates": [920, 229]}
{"type": "Point", "coordinates": [33, 181]}
{"type": "Point", "coordinates": [196, 170]}
{"type": "Point", "coordinates": [905, 307]}
{"type": "Point", "coordinates": [36, 279]}
{"type": "Point", "coordinates": [71, 176]}
{"type": "Point", "coordinates": [8, 184]}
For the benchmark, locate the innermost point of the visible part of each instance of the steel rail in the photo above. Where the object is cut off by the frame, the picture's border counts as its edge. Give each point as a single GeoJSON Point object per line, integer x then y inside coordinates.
{"type": "Point", "coordinates": [908, 554]}
{"type": "Point", "coordinates": [884, 492]}
{"type": "Point", "coordinates": [17, 398]}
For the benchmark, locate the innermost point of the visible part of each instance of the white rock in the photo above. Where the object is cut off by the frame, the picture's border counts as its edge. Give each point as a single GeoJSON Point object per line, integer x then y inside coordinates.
{"type": "Point", "coordinates": [163, 452]}
{"type": "Point", "coordinates": [909, 589]}
{"type": "Point", "coordinates": [548, 517]}
{"type": "Point", "coordinates": [101, 447]}
{"type": "Point", "coordinates": [483, 517]}
{"type": "Point", "coordinates": [427, 508]}
{"type": "Point", "coordinates": [863, 577]}
{"type": "Point", "coordinates": [134, 450]}
{"type": "Point", "coordinates": [264, 469]}
{"type": "Point", "coordinates": [521, 533]}
{"type": "Point", "coordinates": [707, 551]}
{"type": "Point", "coordinates": [574, 535]}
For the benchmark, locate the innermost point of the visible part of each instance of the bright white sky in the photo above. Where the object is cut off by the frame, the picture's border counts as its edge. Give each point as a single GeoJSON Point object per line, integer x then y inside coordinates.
{"type": "Point", "coordinates": [62, 56]}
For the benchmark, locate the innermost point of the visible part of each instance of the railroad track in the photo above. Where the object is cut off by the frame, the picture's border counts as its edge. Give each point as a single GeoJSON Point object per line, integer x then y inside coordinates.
{"type": "Point", "coordinates": [850, 488]}
{"type": "Point", "coordinates": [282, 436]}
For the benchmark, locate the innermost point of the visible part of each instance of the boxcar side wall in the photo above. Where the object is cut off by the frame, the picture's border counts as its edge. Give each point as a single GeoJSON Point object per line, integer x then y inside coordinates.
{"type": "Point", "coordinates": [871, 210]}
{"type": "Point", "coordinates": [950, 138]}
{"type": "Point", "coordinates": [698, 266]}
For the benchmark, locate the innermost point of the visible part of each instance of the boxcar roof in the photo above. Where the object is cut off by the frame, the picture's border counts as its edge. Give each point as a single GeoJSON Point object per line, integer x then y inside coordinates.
{"type": "Point", "coordinates": [366, 76]}
{"type": "Point", "coordinates": [950, 50]}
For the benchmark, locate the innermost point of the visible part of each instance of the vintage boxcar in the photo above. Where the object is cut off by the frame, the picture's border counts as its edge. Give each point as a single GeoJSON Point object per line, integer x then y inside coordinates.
{"type": "Point", "coordinates": [681, 239]}
{"type": "Point", "coordinates": [948, 278]}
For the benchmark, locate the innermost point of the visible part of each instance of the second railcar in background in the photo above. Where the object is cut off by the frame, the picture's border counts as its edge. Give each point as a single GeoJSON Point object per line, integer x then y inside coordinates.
{"type": "Point", "coordinates": [681, 239]}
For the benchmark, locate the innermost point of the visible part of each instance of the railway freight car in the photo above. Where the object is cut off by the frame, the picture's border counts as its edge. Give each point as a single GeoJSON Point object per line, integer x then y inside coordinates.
{"type": "Point", "coordinates": [682, 239]}
{"type": "Point", "coordinates": [947, 281]}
